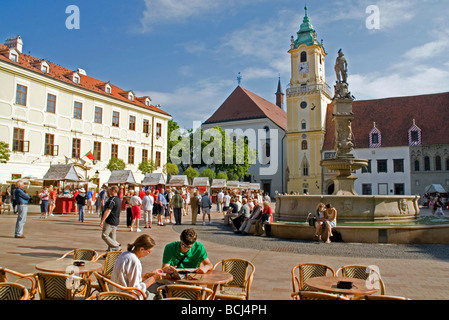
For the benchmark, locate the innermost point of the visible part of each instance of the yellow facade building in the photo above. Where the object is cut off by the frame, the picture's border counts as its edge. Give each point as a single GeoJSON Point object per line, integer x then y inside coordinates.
{"type": "Point", "coordinates": [307, 101]}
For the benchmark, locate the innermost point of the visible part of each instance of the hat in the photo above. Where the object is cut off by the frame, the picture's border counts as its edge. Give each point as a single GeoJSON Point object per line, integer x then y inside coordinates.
{"type": "Point", "coordinates": [82, 190]}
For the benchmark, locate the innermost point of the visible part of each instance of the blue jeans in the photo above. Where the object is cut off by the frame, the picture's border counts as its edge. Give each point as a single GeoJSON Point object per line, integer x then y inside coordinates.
{"type": "Point", "coordinates": [22, 211]}
{"type": "Point", "coordinates": [44, 206]}
{"type": "Point", "coordinates": [81, 213]}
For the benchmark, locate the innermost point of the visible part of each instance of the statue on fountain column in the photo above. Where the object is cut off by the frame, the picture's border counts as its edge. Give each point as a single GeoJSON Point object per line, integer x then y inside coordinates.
{"type": "Point", "coordinates": [341, 70]}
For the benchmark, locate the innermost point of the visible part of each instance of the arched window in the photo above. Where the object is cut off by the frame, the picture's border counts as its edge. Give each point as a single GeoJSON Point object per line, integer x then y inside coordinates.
{"type": "Point", "coordinates": [303, 56]}
{"type": "Point", "coordinates": [303, 125]}
{"type": "Point", "coordinates": [417, 165]}
{"type": "Point", "coordinates": [447, 164]}
{"type": "Point", "coordinates": [438, 163]}
{"type": "Point", "coordinates": [426, 163]}
{"type": "Point", "coordinates": [304, 145]}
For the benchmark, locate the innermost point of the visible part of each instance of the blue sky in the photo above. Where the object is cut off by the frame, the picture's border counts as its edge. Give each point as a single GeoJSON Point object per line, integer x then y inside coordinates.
{"type": "Point", "coordinates": [186, 54]}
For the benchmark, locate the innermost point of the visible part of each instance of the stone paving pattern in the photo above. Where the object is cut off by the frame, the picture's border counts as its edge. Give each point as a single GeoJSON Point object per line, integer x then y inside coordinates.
{"type": "Point", "coordinates": [414, 271]}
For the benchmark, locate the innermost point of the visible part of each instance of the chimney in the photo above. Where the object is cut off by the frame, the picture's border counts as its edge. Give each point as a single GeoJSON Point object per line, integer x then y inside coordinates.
{"type": "Point", "coordinates": [15, 43]}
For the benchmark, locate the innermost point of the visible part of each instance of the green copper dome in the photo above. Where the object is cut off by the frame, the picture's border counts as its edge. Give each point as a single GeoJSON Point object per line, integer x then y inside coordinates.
{"type": "Point", "coordinates": [306, 34]}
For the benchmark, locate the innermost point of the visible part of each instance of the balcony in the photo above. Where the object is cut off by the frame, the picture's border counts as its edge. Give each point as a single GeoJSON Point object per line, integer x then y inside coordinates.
{"type": "Point", "coordinates": [310, 88]}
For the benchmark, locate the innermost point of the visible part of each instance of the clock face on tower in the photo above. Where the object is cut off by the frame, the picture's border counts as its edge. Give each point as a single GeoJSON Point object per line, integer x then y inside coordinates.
{"type": "Point", "coordinates": [303, 68]}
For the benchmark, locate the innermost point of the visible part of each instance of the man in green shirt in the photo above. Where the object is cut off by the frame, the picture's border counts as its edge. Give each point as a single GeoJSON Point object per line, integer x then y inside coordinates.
{"type": "Point", "coordinates": [187, 253]}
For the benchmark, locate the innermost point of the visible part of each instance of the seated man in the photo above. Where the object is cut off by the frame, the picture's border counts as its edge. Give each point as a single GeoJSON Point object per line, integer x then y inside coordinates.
{"type": "Point", "coordinates": [232, 212]}
{"type": "Point", "coordinates": [244, 214]}
{"type": "Point", "coordinates": [330, 216]}
{"type": "Point", "coordinates": [255, 216]}
{"type": "Point", "coordinates": [187, 253]}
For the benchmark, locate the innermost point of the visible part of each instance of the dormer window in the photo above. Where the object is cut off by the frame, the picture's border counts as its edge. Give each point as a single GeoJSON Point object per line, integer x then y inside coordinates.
{"type": "Point", "coordinates": [108, 89]}
{"type": "Point", "coordinates": [130, 96]}
{"type": "Point", "coordinates": [414, 135]}
{"type": "Point", "coordinates": [375, 138]}
{"type": "Point", "coordinates": [76, 78]}
{"type": "Point", "coordinates": [147, 102]}
{"type": "Point", "coordinates": [14, 57]}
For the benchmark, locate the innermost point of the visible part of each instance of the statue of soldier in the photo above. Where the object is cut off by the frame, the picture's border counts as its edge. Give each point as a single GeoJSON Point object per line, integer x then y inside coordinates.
{"type": "Point", "coordinates": [341, 67]}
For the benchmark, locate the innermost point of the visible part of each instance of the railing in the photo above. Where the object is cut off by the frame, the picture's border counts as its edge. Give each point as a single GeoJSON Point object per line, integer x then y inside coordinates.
{"type": "Point", "coordinates": [310, 88]}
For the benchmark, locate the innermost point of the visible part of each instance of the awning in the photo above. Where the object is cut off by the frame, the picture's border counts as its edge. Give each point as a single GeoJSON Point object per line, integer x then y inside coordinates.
{"type": "Point", "coordinates": [435, 188]}
{"type": "Point", "coordinates": [62, 172]}
{"type": "Point", "coordinates": [153, 179]}
{"type": "Point", "coordinates": [122, 177]}
{"type": "Point", "coordinates": [178, 181]}
{"type": "Point", "coordinates": [200, 182]}
{"type": "Point", "coordinates": [218, 183]}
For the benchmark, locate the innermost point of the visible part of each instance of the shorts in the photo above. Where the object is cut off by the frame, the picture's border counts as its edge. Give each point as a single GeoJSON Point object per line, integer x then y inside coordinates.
{"type": "Point", "coordinates": [206, 210]}
{"type": "Point", "coordinates": [333, 224]}
{"type": "Point", "coordinates": [136, 212]}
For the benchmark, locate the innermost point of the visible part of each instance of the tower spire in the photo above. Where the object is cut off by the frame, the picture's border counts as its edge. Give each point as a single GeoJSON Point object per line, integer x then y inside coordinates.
{"type": "Point", "coordinates": [279, 95]}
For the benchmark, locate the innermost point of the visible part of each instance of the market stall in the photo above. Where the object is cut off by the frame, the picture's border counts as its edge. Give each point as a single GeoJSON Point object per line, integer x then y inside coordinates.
{"type": "Point", "coordinates": [201, 183]}
{"type": "Point", "coordinates": [125, 180]}
{"type": "Point", "coordinates": [178, 181]}
{"type": "Point", "coordinates": [62, 176]}
{"type": "Point", "coordinates": [154, 180]}
{"type": "Point", "coordinates": [217, 186]}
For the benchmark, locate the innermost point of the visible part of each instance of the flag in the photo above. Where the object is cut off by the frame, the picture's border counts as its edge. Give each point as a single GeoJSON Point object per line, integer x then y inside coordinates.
{"type": "Point", "coordinates": [89, 155]}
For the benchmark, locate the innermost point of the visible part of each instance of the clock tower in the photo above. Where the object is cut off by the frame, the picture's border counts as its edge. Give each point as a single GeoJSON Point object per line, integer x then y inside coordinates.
{"type": "Point", "coordinates": [307, 101]}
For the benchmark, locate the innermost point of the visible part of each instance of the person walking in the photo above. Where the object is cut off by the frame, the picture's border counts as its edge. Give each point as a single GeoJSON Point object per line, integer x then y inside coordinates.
{"type": "Point", "coordinates": [177, 203]}
{"type": "Point", "coordinates": [136, 210]}
{"type": "Point", "coordinates": [81, 203]}
{"type": "Point", "coordinates": [195, 205]}
{"type": "Point", "coordinates": [206, 205]}
{"type": "Point", "coordinates": [220, 199]}
{"type": "Point", "coordinates": [147, 207]}
{"type": "Point", "coordinates": [44, 198]}
{"type": "Point", "coordinates": [162, 204]}
{"type": "Point", "coordinates": [21, 198]}
{"type": "Point", "coordinates": [111, 219]}
{"type": "Point", "coordinates": [52, 200]}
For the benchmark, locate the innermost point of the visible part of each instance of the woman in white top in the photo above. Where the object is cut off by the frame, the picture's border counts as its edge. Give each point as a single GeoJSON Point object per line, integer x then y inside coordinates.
{"type": "Point", "coordinates": [147, 207]}
{"type": "Point", "coordinates": [136, 206]}
{"type": "Point", "coordinates": [127, 270]}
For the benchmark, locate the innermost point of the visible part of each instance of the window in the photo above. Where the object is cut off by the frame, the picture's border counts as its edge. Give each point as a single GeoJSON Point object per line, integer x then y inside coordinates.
{"type": "Point", "coordinates": [438, 163]}
{"type": "Point", "coordinates": [144, 155]}
{"type": "Point", "coordinates": [398, 165]}
{"type": "Point", "coordinates": [44, 69]}
{"type": "Point", "coordinates": [399, 189]}
{"type": "Point", "coordinates": [305, 170]}
{"type": "Point", "coordinates": [98, 118]}
{"type": "Point", "coordinates": [50, 148]}
{"type": "Point", "coordinates": [158, 159]}
{"type": "Point", "coordinates": [414, 136]}
{"type": "Point", "coordinates": [382, 166]}
{"type": "Point", "coordinates": [159, 130]}
{"type": "Point", "coordinates": [447, 164]}
{"type": "Point", "coordinates": [426, 164]}
{"type": "Point", "coordinates": [304, 145]}
{"type": "Point", "coordinates": [21, 95]}
{"type": "Point", "coordinates": [383, 189]}
{"type": "Point", "coordinates": [76, 148]}
{"type": "Point", "coordinates": [375, 138]}
{"type": "Point", "coordinates": [115, 119]}
{"type": "Point", "coordinates": [78, 110]}
{"type": "Point", "coordinates": [132, 123]}
{"type": "Point", "coordinates": [146, 126]}
{"type": "Point", "coordinates": [18, 143]}
{"type": "Point", "coordinates": [76, 79]}
{"type": "Point", "coordinates": [51, 103]}
{"type": "Point", "coordinates": [303, 105]}
{"type": "Point", "coordinates": [14, 57]}
{"type": "Point", "coordinates": [303, 125]}
{"type": "Point", "coordinates": [130, 97]}
{"type": "Point", "coordinates": [131, 151]}
{"type": "Point", "coordinates": [303, 56]}
{"type": "Point", "coordinates": [367, 169]}
{"type": "Point", "coordinates": [417, 165]}
{"type": "Point", "coordinates": [114, 151]}
{"type": "Point", "coordinates": [367, 189]}
{"type": "Point", "coordinates": [97, 150]}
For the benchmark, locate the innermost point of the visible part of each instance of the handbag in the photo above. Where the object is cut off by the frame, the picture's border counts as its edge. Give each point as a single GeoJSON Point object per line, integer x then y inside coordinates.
{"type": "Point", "coordinates": [311, 220]}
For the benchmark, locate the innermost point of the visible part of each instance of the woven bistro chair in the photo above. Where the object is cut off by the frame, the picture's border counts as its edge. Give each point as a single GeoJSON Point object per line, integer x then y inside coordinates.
{"type": "Point", "coordinates": [177, 291]}
{"type": "Point", "coordinates": [362, 272]}
{"type": "Point", "coordinates": [110, 258]}
{"type": "Point", "coordinates": [13, 291]}
{"type": "Point", "coordinates": [28, 277]}
{"type": "Point", "coordinates": [105, 285]}
{"type": "Point", "coordinates": [304, 271]}
{"type": "Point", "coordinates": [312, 295]}
{"type": "Point", "coordinates": [81, 254]}
{"type": "Point", "coordinates": [112, 296]}
{"type": "Point", "coordinates": [243, 274]}
{"type": "Point", "coordinates": [59, 286]}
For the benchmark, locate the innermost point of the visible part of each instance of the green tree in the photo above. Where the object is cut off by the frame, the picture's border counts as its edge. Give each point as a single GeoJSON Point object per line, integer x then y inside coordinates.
{"type": "Point", "coordinates": [147, 166]}
{"type": "Point", "coordinates": [170, 169]}
{"type": "Point", "coordinates": [116, 164]}
{"type": "Point", "coordinates": [209, 173]}
{"type": "Point", "coordinates": [4, 152]}
{"type": "Point", "coordinates": [222, 175]}
{"type": "Point", "coordinates": [191, 174]}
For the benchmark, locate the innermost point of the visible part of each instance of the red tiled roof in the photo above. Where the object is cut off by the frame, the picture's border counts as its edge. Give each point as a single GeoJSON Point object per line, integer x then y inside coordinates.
{"type": "Point", "coordinates": [245, 105]}
{"type": "Point", "coordinates": [394, 117]}
{"type": "Point", "coordinates": [63, 74]}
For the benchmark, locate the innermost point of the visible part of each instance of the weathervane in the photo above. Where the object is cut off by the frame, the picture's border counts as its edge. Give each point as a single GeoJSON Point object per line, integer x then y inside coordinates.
{"type": "Point", "coordinates": [239, 79]}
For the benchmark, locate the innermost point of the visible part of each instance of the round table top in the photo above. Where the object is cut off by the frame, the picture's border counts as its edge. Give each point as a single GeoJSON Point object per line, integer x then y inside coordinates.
{"type": "Point", "coordinates": [213, 277]}
{"type": "Point", "coordinates": [329, 284]}
{"type": "Point", "coordinates": [67, 266]}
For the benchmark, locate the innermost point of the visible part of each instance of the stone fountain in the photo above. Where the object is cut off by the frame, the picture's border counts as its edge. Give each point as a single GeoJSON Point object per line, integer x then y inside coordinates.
{"type": "Point", "coordinates": [350, 206]}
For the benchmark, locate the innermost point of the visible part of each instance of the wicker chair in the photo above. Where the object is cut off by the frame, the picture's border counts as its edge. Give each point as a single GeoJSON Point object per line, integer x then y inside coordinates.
{"type": "Point", "coordinates": [81, 254]}
{"type": "Point", "coordinates": [379, 297]}
{"type": "Point", "coordinates": [13, 291]}
{"type": "Point", "coordinates": [188, 292]}
{"type": "Point", "coordinates": [60, 286]}
{"type": "Point", "coordinates": [361, 272]}
{"type": "Point", "coordinates": [311, 295]}
{"type": "Point", "coordinates": [105, 283]}
{"type": "Point", "coordinates": [109, 261]}
{"type": "Point", "coordinates": [243, 274]}
{"type": "Point", "coordinates": [28, 277]}
{"type": "Point", "coordinates": [306, 271]}
{"type": "Point", "coordinates": [112, 296]}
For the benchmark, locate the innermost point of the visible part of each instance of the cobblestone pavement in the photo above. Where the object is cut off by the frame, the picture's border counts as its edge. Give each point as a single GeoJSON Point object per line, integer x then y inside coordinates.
{"type": "Point", "coordinates": [413, 271]}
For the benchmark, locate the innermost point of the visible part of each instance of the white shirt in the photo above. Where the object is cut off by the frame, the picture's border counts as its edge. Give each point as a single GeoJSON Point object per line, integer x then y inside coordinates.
{"type": "Point", "coordinates": [127, 272]}
{"type": "Point", "coordinates": [135, 201]}
{"type": "Point", "coordinates": [227, 200]}
{"type": "Point", "coordinates": [147, 203]}
{"type": "Point", "coordinates": [220, 196]}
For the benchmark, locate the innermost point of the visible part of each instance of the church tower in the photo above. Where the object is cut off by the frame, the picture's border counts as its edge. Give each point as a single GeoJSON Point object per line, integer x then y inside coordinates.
{"type": "Point", "coordinates": [307, 101]}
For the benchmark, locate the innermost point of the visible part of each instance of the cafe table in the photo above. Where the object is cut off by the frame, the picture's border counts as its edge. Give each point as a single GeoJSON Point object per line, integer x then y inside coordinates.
{"type": "Point", "coordinates": [212, 278]}
{"type": "Point", "coordinates": [67, 266]}
{"type": "Point", "coordinates": [329, 285]}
